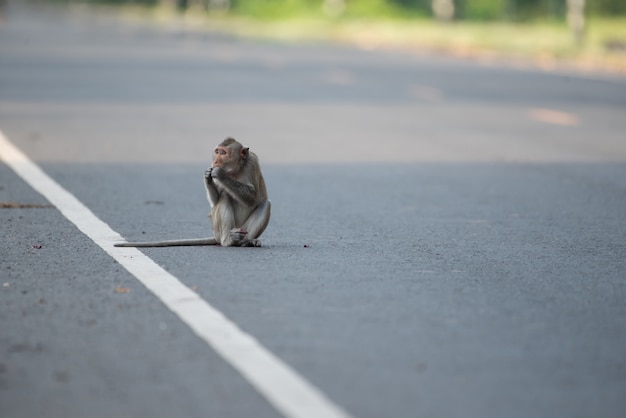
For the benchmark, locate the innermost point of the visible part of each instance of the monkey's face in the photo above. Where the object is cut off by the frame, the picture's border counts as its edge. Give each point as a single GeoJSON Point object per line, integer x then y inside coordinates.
{"type": "Point", "coordinates": [221, 157]}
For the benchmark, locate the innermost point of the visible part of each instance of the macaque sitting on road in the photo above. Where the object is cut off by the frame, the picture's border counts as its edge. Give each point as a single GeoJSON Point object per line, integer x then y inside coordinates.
{"type": "Point", "coordinates": [240, 210]}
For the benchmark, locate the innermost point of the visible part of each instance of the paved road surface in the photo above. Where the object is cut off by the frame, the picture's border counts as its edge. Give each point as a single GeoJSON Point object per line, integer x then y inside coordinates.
{"type": "Point", "coordinates": [465, 224]}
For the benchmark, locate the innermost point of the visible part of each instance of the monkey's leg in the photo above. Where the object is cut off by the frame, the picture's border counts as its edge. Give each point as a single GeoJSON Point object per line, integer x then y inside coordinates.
{"type": "Point", "coordinates": [223, 221]}
{"type": "Point", "coordinates": [256, 223]}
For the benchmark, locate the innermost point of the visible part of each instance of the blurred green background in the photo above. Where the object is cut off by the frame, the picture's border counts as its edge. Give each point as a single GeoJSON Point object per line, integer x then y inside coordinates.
{"type": "Point", "coordinates": [588, 34]}
{"type": "Point", "coordinates": [483, 10]}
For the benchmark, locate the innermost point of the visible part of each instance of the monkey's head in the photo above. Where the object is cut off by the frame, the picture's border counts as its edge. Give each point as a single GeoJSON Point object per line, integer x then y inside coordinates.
{"type": "Point", "coordinates": [230, 156]}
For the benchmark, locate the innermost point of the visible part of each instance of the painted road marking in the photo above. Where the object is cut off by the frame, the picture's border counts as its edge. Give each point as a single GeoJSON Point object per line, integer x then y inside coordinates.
{"type": "Point", "coordinates": [281, 386]}
{"type": "Point", "coordinates": [554, 117]}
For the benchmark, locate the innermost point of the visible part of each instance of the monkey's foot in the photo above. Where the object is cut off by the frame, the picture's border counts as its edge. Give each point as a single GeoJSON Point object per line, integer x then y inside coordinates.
{"type": "Point", "coordinates": [252, 243]}
{"type": "Point", "coordinates": [238, 236]}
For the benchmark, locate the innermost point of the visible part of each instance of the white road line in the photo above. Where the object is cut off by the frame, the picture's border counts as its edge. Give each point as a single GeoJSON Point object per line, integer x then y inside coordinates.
{"type": "Point", "coordinates": [283, 388]}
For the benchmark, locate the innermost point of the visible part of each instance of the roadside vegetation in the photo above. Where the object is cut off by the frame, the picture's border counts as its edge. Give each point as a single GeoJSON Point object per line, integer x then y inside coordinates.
{"type": "Point", "coordinates": [541, 32]}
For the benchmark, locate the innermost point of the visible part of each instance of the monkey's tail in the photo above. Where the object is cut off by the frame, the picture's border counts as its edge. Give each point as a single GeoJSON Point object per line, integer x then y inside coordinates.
{"type": "Point", "coordinates": [169, 243]}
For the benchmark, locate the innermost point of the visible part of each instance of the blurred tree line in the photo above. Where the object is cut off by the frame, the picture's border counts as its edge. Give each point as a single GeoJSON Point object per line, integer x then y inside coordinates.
{"type": "Point", "coordinates": [513, 10]}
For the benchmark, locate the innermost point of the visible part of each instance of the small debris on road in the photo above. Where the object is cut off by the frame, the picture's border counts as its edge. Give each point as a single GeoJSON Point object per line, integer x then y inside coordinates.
{"type": "Point", "coordinates": [16, 205]}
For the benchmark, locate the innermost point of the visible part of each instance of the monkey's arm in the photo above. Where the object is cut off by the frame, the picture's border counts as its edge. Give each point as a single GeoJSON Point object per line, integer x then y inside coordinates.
{"type": "Point", "coordinates": [212, 193]}
{"type": "Point", "coordinates": [242, 192]}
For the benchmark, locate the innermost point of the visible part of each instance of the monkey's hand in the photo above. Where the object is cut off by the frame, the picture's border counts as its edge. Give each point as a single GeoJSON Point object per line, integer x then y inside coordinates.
{"type": "Point", "coordinates": [217, 172]}
{"type": "Point", "coordinates": [238, 235]}
{"type": "Point", "coordinates": [208, 173]}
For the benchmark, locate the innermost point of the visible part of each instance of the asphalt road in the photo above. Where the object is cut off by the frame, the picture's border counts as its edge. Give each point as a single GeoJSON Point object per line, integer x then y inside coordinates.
{"type": "Point", "coordinates": [464, 223]}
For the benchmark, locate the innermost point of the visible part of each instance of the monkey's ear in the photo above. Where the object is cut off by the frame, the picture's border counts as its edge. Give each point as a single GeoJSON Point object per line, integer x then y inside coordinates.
{"type": "Point", "coordinates": [245, 152]}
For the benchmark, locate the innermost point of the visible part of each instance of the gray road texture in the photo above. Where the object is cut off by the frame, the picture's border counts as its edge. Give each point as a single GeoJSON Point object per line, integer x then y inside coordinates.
{"type": "Point", "coordinates": [465, 224]}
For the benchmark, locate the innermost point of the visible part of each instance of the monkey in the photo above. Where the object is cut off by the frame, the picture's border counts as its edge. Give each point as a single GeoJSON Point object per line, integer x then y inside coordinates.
{"type": "Point", "coordinates": [240, 209]}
